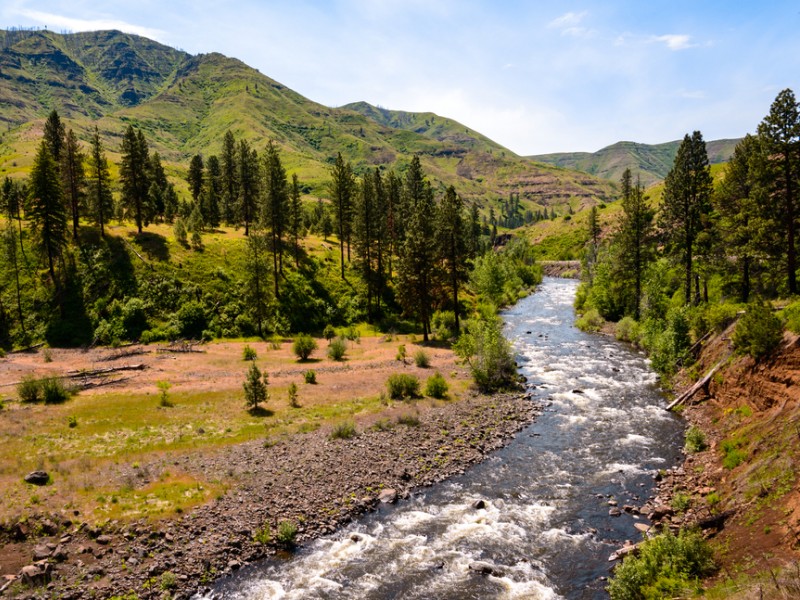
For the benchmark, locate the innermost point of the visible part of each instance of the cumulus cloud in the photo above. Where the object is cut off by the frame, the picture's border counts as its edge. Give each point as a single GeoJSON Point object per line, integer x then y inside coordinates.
{"type": "Point", "coordinates": [570, 23]}
{"type": "Point", "coordinates": [674, 41]}
{"type": "Point", "coordinates": [72, 24]}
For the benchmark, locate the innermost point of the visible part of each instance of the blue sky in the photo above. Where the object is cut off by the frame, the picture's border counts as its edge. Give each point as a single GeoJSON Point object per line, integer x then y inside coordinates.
{"type": "Point", "coordinates": [535, 76]}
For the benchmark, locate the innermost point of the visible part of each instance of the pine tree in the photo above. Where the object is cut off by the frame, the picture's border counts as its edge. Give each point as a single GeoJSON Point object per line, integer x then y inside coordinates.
{"type": "Point", "coordinates": [342, 189]}
{"type": "Point", "coordinates": [779, 134]}
{"type": "Point", "coordinates": [195, 177]}
{"type": "Point", "coordinates": [394, 222]}
{"type": "Point", "coordinates": [54, 136]}
{"type": "Point", "coordinates": [133, 173]}
{"type": "Point", "coordinates": [212, 191]}
{"type": "Point", "coordinates": [46, 209]}
{"type": "Point", "coordinates": [247, 185]}
{"type": "Point", "coordinates": [12, 259]}
{"type": "Point", "coordinates": [73, 178]}
{"type": "Point", "coordinates": [365, 219]}
{"type": "Point", "coordinates": [157, 191]}
{"type": "Point", "coordinates": [452, 246]}
{"type": "Point", "coordinates": [634, 240]}
{"type": "Point", "coordinates": [230, 181]}
{"type": "Point", "coordinates": [275, 206]}
{"type": "Point", "coordinates": [257, 275]}
{"type": "Point", "coordinates": [255, 387]}
{"type": "Point", "coordinates": [295, 218]}
{"type": "Point", "coordinates": [99, 189]}
{"type": "Point", "coordinates": [686, 205]}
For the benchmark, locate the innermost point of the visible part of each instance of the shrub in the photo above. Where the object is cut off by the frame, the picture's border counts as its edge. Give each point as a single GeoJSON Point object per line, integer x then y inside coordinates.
{"type": "Point", "coordinates": [191, 320]}
{"type": "Point", "coordinates": [408, 420]}
{"type": "Point", "coordinates": [627, 330]}
{"type": "Point", "coordinates": [337, 349]}
{"type": "Point", "coordinates": [329, 332]}
{"type": "Point", "coordinates": [666, 566]}
{"type": "Point", "coordinates": [344, 431]}
{"type": "Point", "coordinates": [719, 316]}
{"type": "Point", "coordinates": [163, 399]}
{"type": "Point", "coordinates": [255, 387]}
{"type": "Point", "coordinates": [310, 376]}
{"type": "Point", "coordinates": [443, 324]}
{"type": "Point", "coordinates": [275, 341]}
{"type": "Point", "coordinates": [293, 395]}
{"type": "Point", "coordinates": [29, 390]}
{"type": "Point", "coordinates": [352, 334]}
{"type": "Point", "coordinates": [263, 535]}
{"type": "Point", "coordinates": [733, 454]}
{"type": "Point", "coordinates": [168, 581]}
{"type": "Point", "coordinates": [72, 421]}
{"type": "Point", "coordinates": [590, 321]}
{"type": "Point", "coordinates": [695, 440]}
{"type": "Point", "coordinates": [287, 532]}
{"type": "Point", "coordinates": [402, 385]}
{"type": "Point", "coordinates": [791, 316]}
{"type": "Point", "coordinates": [421, 359]}
{"type": "Point", "coordinates": [53, 391]}
{"type": "Point", "coordinates": [681, 502]}
{"type": "Point", "coordinates": [401, 353]}
{"type": "Point", "coordinates": [179, 230]}
{"type": "Point", "coordinates": [488, 354]}
{"type": "Point", "coordinates": [304, 345]}
{"type": "Point", "coordinates": [436, 386]}
{"type": "Point", "coordinates": [758, 332]}
{"type": "Point", "coordinates": [249, 353]}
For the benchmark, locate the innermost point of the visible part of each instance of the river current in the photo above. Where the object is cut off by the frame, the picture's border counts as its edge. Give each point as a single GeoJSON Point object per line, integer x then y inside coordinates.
{"type": "Point", "coordinates": [546, 531]}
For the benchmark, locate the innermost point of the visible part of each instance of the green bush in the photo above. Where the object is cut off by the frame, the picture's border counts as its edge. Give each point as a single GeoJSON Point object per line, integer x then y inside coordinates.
{"type": "Point", "coordinates": [590, 321]}
{"type": "Point", "coordinates": [443, 324]}
{"type": "Point", "coordinates": [667, 566]}
{"type": "Point", "coordinates": [488, 354]}
{"type": "Point", "coordinates": [29, 390]}
{"type": "Point", "coordinates": [263, 535]}
{"type": "Point", "coordinates": [310, 376]}
{"type": "Point", "coordinates": [401, 353]}
{"type": "Point", "coordinates": [436, 386]}
{"type": "Point", "coordinates": [292, 392]}
{"type": "Point", "coordinates": [72, 421]}
{"type": "Point", "coordinates": [344, 431]}
{"type": "Point", "coordinates": [402, 385]}
{"type": "Point", "coordinates": [249, 353]}
{"type": "Point", "coordinates": [627, 330]}
{"type": "Point", "coordinates": [733, 455]}
{"type": "Point", "coordinates": [421, 359]}
{"type": "Point", "coordinates": [791, 316]}
{"type": "Point", "coordinates": [337, 349]}
{"type": "Point", "coordinates": [719, 316]}
{"type": "Point", "coordinates": [695, 440]}
{"type": "Point", "coordinates": [329, 332]}
{"type": "Point", "coordinates": [287, 533]}
{"type": "Point", "coordinates": [191, 320]}
{"type": "Point", "coordinates": [303, 346]}
{"type": "Point", "coordinates": [681, 502]}
{"type": "Point", "coordinates": [758, 332]}
{"type": "Point", "coordinates": [54, 391]}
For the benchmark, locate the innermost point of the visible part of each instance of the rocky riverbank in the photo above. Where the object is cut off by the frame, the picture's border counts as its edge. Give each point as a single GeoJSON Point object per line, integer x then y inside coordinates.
{"type": "Point", "coordinates": [310, 480]}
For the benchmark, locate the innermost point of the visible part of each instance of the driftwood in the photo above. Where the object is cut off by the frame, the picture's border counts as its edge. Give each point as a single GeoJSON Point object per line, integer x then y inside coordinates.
{"type": "Point", "coordinates": [28, 349]}
{"type": "Point", "coordinates": [182, 346]}
{"type": "Point", "coordinates": [700, 384]}
{"type": "Point", "coordinates": [95, 384]}
{"type": "Point", "coordinates": [123, 354]}
{"type": "Point", "coordinates": [105, 371]}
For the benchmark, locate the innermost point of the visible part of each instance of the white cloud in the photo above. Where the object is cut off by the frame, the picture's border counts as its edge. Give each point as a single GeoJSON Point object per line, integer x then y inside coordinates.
{"type": "Point", "coordinates": [568, 20]}
{"type": "Point", "coordinates": [72, 24]}
{"type": "Point", "coordinates": [674, 41]}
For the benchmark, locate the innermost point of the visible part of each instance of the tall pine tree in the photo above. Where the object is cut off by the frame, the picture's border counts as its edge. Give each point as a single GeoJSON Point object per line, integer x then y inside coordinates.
{"type": "Point", "coordinates": [46, 209]}
{"type": "Point", "coordinates": [342, 190]}
{"type": "Point", "coordinates": [73, 178]}
{"type": "Point", "coordinates": [133, 173]}
{"type": "Point", "coordinates": [275, 206]}
{"type": "Point", "coordinates": [452, 245]}
{"type": "Point", "coordinates": [99, 197]}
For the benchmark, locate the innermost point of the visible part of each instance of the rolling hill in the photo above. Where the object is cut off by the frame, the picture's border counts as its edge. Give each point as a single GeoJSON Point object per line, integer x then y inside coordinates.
{"type": "Point", "coordinates": [184, 104]}
{"type": "Point", "coordinates": [650, 162]}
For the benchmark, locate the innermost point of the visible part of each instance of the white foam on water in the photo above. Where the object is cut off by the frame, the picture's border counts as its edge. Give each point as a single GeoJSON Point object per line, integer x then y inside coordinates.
{"type": "Point", "coordinates": [615, 468]}
{"type": "Point", "coordinates": [633, 438]}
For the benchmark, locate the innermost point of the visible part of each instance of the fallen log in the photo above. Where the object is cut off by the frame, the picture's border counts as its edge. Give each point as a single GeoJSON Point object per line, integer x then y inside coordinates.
{"type": "Point", "coordinates": [87, 385]}
{"type": "Point", "coordinates": [700, 384]}
{"type": "Point", "coordinates": [123, 354]}
{"type": "Point", "coordinates": [106, 371]}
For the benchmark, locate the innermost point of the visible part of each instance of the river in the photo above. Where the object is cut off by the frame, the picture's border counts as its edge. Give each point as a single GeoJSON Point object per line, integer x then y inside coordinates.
{"type": "Point", "coordinates": [546, 530]}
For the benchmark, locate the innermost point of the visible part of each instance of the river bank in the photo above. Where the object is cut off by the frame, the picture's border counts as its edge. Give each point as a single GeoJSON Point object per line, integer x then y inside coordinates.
{"type": "Point", "coordinates": [315, 482]}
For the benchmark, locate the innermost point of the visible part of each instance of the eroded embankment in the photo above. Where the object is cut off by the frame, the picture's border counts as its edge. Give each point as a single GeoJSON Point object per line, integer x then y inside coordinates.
{"type": "Point", "coordinates": [311, 480]}
{"type": "Point", "coordinates": [743, 488]}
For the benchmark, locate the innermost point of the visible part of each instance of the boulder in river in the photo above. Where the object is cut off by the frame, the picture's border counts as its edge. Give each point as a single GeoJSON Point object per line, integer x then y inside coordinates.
{"type": "Point", "coordinates": [388, 496]}
{"type": "Point", "coordinates": [485, 568]}
{"type": "Point", "coordinates": [479, 504]}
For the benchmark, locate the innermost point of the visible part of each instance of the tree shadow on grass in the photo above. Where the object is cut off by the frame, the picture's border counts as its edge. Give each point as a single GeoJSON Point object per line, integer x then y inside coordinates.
{"type": "Point", "coordinates": [260, 411]}
{"type": "Point", "coordinates": [154, 245]}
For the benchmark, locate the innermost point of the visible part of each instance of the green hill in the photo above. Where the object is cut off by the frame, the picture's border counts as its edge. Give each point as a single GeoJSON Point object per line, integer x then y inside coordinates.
{"type": "Point", "coordinates": [650, 162]}
{"type": "Point", "coordinates": [185, 104]}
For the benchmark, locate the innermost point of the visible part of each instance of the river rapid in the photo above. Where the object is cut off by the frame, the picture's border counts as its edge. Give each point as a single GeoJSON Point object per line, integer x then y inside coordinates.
{"type": "Point", "coordinates": [545, 531]}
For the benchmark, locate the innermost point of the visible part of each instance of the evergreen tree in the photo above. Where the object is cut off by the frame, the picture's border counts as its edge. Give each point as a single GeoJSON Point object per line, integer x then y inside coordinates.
{"type": "Point", "coordinates": [133, 174]}
{"type": "Point", "coordinates": [230, 180]}
{"type": "Point", "coordinates": [12, 259]}
{"type": "Point", "coordinates": [739, 213]}
{"type": "Point", "coordinates": [195, 177]}
{"type": "Point", "coordinates": [634, 239]}
{"type": "Point", "coordinates": [54, 136]}
{"type": "Point", "coordinates": [247, 185]}
{"type": "Point", "coordinates": [257, 275]}
{"type": "Point", "coordinates": [157, 191]}
{"type": "Point", "coordinates": [394, 222]}
{"type": "Point", "coordinates": [368, 234]}
{"type": "Point", "coordinates": [46, 210]}
{"type": "Point", "coordinates": [415, 286]}
{"type": "Point", "coordinates": [475, 229]}
{"type": "Point", "coordinates": [779, 134]}
{"type": "Point", "coordinates": [295, 218]}
{"type": "Point", "coordinates": [73, 178]}
{"type": "Point", "coordinates": [275, 205]}
{"type": "Point", "coordinates": [342, 189]}
{"type": "Point", "coordinates": [451, 233]}
{"type": "Point", "coordinates": [212, 192]}
{"type": "Point", "coordinates": [255, 387]}
{"type": "Point", "coordinates": [686, 205]}
{"type": "Point", "coordinates": [100, 201]}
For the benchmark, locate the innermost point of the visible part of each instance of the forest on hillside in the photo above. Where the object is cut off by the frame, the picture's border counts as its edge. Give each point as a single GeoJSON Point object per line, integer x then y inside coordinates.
{"type": "Point", "coordinates": [93, 259]}
{"type": "Point", "coordinates": [672, 273]}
